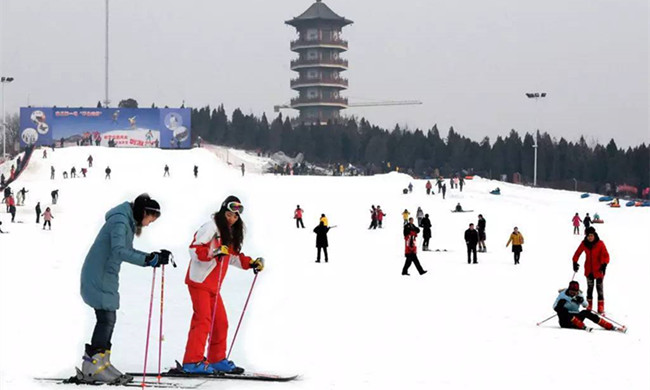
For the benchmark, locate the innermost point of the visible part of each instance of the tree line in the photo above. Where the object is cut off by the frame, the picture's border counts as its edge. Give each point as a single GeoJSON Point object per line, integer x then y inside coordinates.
{"type": "Point", "coordinates": [561, 164]}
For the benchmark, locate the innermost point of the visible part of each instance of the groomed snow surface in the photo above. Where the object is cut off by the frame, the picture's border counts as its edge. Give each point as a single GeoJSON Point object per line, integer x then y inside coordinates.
{"type": "Point", "coordinates": [354, 323]}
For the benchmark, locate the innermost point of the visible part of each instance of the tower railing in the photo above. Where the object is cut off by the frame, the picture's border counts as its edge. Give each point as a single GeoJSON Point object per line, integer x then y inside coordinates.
{"type": "Point", "coordinates": [319, 61]}
{"type": "Point", "coordinates": [319, 80]}
{"type": "Point", "coordinates": [321, 99]}
{"type": "Point", "coordinates": [301, 42]}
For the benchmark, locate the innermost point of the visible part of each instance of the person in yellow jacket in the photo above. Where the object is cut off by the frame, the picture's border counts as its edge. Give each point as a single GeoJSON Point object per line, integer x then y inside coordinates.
{"type": "Point", "coordinates": [406, 215]}
{"type": "Point", "coordinates": [323, 219]}
{"type": "Point", "coordinates": [517, 240]}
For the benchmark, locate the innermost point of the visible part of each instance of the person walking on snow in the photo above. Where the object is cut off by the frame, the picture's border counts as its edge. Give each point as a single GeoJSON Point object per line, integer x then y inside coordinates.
{"type": "Point", "coordinates": [297, 215]}
{"type": "Point", "coordinates": [596, 260]}
{"type": "Point", "coordinates": [321, 240]}
{"type": "Point", "coordinates": [576, 224]}
{"type": "Point", "coordinates": [47, 218]}
{"type": "Point", "coordinates": [405, 216]}
{"type": "Point", "coordinates": [215, 246]}
{"type": "Point", "coordinates": [108, 173]}
{"type": "Point", "coordinates": [51, 172]}
{"type": "Point", "coordinates": [243, 169]}
{"type": "Point", "coordinates": [100, 281]}
{"type": "Point", "coordinates": [11, 204]}
{"type": "Point", "coordinates": [410, 248]}
{"type": "Point", "coordinates": [426, 232]}
{"type": "Point", "coordinates": [373, 217]}
{"type": "Point", "coordinates": [419, 215]}
{"type": "Point", "coordinates": [38, 212]}
{"type": "Point", "coordinates": [166, 173]}
{"type": "Point", "coordinates": [568, 308]}
{"type": "Point", "coordinates": [444, 190]}
{"type": "Point", "coordinates": [481, 233]}
{"type": "Point", "coordinates": [587, 221]}
{"type": "Point", "coordinates": [196, 171]}
{"type": "Point", "coordinates": [380, 216]}
{"type": "Point", "coordinates": [90, 161]}
{"type": "Point", "coordinates": [428, 187]}
{"type": "Point", "coordinates": [471, 239]}
{"type": "Point", "coordinates": [517, 240]}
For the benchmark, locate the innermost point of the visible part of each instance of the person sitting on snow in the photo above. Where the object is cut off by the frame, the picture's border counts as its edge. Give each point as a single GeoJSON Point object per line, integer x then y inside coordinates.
{"type": "Point", "coordinates": [568, 307]}
{"type": "Point", "coordinates": [459, 208]}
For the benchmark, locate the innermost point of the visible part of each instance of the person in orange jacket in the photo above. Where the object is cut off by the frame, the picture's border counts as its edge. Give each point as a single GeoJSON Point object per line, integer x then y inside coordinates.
{"type": "Point", "coordinates": [596, 262]}
{"type": "Point", "coordinates": [517, 240]}
{"type": "Point", "coordinates": [215, 246]}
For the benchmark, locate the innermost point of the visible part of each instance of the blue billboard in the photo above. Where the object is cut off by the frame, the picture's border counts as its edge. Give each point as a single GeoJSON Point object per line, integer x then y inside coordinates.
{"type": "Point", "coordinates": [114, 127]}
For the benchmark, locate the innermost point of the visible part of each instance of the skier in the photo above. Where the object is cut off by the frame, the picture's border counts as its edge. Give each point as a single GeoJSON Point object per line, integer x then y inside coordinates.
{"type": "Point", "coordinates": [196, 171]}
{"type": "Point", "coordinates": [47, 218]}
{"type": "Point", "coordinates": [108, 173]}
{"type": "Point", "coordinates": [576, 224]}
{"type": "Point", "coordinates": [517, 240]}
{"type": "Point", "coordinates": [373, 217]}
{"type": "Point", "coordinates": [321, 240]}
{"type": "Point", "coordinates": [90, 161]}
{"type": "Point", "coordinates": [410, 248]}
{"type": "Point", "coordinates": [426, 232]}
{"type": "Point", "coordinates": [323, 219]}
{"type": "Point", "coordinates": [11, 204]}
{"type": "Point", "coordinates": [471, 239]}
{"type": "Point", "coordinates": [459, 208]}
{"type": "Point", "coordinates": [55, 196]}
{"type": "Point", "coordinates": [596, 262]}
{"type": "Point", "coordinates": [166, 171]}
{"type": "Point", "coordinates": [38, 212]}
{"type": "Point", "coordinates": [419, 215]}
{"type": "Point", "coordinates": [216, 245]}
{"type": "Point", "coordinates": [84, 171]}
{"type": "Point", "coordinates": [380, 216]}
{"type": "Point", "coordinates": [51, 172]}
{"type": "Point", "coordinates": [21, 196]}
{"type": "Point", "coordinates": [73, 172]}
{"type": "Point", "coordinates": [587, 222]}
{"type": "Point", "coordinates": [410, 187]}
{"type": "Point", "coordinates": [567, 305]}
{"type": "Point", "coordinates": [444, 190]}
{"type": "Point", "coordinates": [100, 281]}
{"type": "Point", "coordinates": [428, 187]}
{"type": "Point", "coordinates": [297, 215]}
{"type": "Point", "coordinates": [481, 233]}
{"type": "Point", "coordinates": [405, 216]}
{"type": "Point", "coordinates": [6, 197]}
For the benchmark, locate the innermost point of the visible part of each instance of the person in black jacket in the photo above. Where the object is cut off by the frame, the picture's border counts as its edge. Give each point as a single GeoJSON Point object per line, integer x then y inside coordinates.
{"type": "Point", "coordinates": [471, 239]}
{"type": "Point", "coordinates": [586, 221]}
{"type": "Point", "coordinates": [38, 212]}
{"type": "Point", "coordinates": [426, 232]}
{"type": "Point", "coordinates": [321, 239]}
{"type": "Point", "coordinates": [481, 233]}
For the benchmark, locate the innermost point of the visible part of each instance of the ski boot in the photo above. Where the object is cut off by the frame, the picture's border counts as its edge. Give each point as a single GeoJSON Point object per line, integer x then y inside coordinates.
{"type": "Point", "coordinates": [601, 307]}
{"type": "Point", "coordinates": [590, 304]}
{"type": "Point", "coordinates": [201, 367]}
{"type": "Point", "coordinates": [97, 368]}
{"type": "Point", "coordinates": [227, 366]}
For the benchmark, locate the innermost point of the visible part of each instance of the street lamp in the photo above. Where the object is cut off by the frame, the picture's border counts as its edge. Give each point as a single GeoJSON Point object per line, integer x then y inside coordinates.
{"type": "Point", "coordinates": [106, 100]}
{"type": "Point", "coordinates": [536, 96]}
{"type": "Point", "coordinates": [4, 80]}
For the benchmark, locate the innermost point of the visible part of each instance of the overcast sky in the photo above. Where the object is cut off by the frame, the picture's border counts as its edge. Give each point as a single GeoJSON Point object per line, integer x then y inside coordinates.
{"type": "Point", "coordinates": [469, 61]}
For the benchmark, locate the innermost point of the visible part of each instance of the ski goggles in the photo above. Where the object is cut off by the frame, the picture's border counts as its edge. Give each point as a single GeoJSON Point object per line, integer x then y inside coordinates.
{"type": "Point", "coordinates": [235, 207]}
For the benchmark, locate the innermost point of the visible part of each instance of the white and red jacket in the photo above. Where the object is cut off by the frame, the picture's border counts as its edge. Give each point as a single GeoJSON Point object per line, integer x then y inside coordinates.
{"type": "Point", "coordinates": [203, 271]}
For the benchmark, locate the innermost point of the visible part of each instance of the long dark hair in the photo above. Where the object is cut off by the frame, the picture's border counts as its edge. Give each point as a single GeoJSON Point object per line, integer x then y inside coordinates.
{"type": "Point", "coordinates": [231, 236]}
{"type": "Point", "coordinates": [143, 205]}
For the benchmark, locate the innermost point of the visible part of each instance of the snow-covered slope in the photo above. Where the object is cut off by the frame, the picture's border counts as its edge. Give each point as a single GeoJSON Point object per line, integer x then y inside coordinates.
{"type": "Point", "coordinates": [354, 323]}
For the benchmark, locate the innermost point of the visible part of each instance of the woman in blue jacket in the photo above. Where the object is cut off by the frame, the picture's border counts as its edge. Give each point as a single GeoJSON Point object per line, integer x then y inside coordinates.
{"type": "Point", "coordinates": [100, 280]}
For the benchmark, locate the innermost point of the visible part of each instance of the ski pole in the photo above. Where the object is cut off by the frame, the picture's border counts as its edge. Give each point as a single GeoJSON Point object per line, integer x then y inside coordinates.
{"type": "Point", "coordinates": [541, 322]}
{"type": "Point", "coordinates": [232, 343]}
{"type": "Point", "coordinates": [160, 332]}
{"type": "Point", "coordinates": [214, 308]}
{"type": "Point", "coordinates": [146, 348]}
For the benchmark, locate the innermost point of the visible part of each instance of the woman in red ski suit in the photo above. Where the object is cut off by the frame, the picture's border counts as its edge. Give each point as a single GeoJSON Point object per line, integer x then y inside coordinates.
{"type": "Point", "coordinates": [596, 262]}
{"type": "Point", "coordinates": [576, 223]}
{"type": "Point", "coordinates": [215, 246]}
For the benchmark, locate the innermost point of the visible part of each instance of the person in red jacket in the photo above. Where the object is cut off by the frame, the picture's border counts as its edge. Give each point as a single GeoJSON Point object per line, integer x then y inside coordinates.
{"type": "Point", "coordinates": [297, 215]}
{"type": "Point", "coordinates": [576, 223]}
{"type": "Point", "coordinates": [410, 248]}
{"type": "Point", "coordinates": [215, 246]}
{"type": "Point", "coordinates": [596, 262]}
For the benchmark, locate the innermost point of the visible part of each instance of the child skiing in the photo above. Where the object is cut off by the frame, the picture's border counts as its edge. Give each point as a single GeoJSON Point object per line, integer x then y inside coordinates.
{"type": "Point", "coordinates": [568, 304]}
{"type": "Point", "coordinates": [216, 246]}
{"type": "Point", "coordinates": [47, 219]}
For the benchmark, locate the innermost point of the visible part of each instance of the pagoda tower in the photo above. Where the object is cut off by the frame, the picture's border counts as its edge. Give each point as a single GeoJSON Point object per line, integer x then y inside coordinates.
{"type": "Point", "coordinates": [319, 64]}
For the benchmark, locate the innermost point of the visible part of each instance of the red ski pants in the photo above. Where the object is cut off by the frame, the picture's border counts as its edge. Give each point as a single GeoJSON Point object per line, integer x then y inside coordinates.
{"type": "Point", "coordinates": [203, 304]}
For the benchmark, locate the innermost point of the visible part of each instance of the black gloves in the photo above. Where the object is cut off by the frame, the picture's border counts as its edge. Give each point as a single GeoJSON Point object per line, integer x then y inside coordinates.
{"type": "Point", "coordinates": [576, 266]}
{"type": "Point", "coordinates": [156, 259]}
{"type": "Point", "coordinates": [578, 299]}
{"type": "Point", "coordinates": [603, 267]}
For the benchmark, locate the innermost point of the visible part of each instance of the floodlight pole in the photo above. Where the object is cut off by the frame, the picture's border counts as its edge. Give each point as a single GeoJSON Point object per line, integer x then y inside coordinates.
{"type": "Point", "coordinates": [536, 96]}
{"type": "Point", "coordinates": [4, 80]}
{"type": "Point", "coordinates": [106, 101]}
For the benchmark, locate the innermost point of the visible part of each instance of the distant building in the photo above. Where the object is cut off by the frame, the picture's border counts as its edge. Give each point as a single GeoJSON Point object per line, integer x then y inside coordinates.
{"type": "Point", "coordinates": [319, 46]}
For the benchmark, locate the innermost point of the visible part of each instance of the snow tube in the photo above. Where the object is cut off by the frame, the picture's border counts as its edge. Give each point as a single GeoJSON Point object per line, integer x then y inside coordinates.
{"type": "Point", "coordinates": [584, 196]}
{"type": "Point", "coordinates": [605, 199]}
{"type": "Point", "coordinates": [495, 192]}
{"type": "Point", "coordinates": [614, 205]}
{"type": "Point", "coordinates": [629, 204]}
{"type": "Point", "coordinates": [646, 203]}
{"type": "Point", "coordinates": [469, 177]}
{"type": "Point", "coordinates": [598, 221]}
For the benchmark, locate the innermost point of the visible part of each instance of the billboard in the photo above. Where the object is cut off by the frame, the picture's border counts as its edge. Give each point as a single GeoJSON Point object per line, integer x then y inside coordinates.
{"type": "Point", "coordinates": [114, 127]}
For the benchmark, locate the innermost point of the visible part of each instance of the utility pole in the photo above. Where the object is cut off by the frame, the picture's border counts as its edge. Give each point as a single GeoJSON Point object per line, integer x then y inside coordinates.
{"type": "Point", "coordinates": [4, 80]}
{"type": "Point", "coordinates": [536, 96]}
